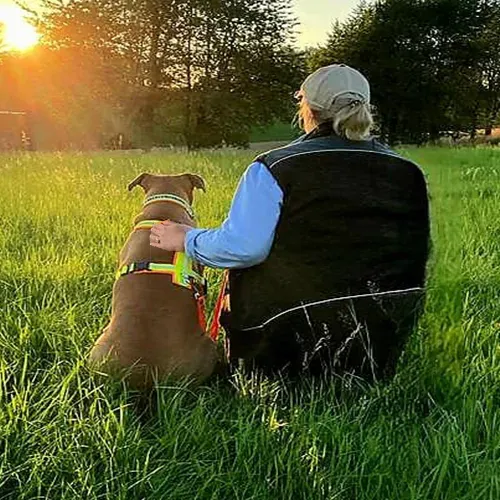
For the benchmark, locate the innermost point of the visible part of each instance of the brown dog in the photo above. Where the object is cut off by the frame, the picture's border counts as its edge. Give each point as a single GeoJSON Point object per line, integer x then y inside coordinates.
{"type": "Point", "coordinates": [154, 330]}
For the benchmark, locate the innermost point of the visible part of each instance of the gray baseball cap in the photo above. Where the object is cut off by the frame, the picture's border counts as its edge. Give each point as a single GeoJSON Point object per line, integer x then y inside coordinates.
{"type": "Point", "coordinates": [322, 88]}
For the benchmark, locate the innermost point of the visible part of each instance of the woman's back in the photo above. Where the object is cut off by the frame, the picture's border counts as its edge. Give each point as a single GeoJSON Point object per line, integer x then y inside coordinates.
{"type": "Point", "coordinates": [353, 219]}
{"type": "Point", "coordinates": [351, 246]}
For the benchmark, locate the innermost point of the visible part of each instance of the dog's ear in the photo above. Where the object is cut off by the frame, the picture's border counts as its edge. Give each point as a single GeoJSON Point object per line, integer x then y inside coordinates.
{"type": "Point", "coordinates": [140, 180]}
{"type": "Point", "coordinates": [197, 182]}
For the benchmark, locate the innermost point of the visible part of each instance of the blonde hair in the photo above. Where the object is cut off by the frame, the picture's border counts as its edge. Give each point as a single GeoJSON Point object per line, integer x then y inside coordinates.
{"type": "Point", "coordinates": [352, 119]}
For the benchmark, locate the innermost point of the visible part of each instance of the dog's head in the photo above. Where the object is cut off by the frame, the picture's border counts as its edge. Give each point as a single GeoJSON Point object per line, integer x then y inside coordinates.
{"type": "Point", "coordinates": [180, 185]}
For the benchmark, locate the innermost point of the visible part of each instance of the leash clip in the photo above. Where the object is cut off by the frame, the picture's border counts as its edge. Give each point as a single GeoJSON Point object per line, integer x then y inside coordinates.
{"type": "Point", "coordinates": [199, 289]}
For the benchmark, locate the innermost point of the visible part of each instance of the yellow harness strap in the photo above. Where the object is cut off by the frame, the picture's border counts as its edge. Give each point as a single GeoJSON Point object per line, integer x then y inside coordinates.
{"type": "Point", "coordinates": [146, 224]}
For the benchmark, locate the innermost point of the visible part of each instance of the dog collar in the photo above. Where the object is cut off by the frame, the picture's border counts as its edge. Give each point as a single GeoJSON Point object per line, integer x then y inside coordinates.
{"type": "Point", "coordinates": [171, 198]}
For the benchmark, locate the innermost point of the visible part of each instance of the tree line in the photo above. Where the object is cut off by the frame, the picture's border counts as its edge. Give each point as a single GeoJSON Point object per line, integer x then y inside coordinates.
{"type": "Point", "coordinates": [434, 65]}
{"type": "Point", "coordinates": [203, 73]}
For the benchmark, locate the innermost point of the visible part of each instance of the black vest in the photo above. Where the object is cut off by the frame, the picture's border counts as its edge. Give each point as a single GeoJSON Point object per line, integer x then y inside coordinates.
{"type": "Point", "coordinates": [355, 220]}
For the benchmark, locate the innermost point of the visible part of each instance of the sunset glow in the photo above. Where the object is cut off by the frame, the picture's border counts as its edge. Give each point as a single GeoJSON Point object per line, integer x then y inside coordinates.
{"type": "Point", "coordinates": [15, 32]}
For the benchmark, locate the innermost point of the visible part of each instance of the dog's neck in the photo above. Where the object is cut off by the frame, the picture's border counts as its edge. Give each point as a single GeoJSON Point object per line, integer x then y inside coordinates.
{"type": "Point", "coordinates": [167, 206]}
{"type": "Point", "coordinates": [162, 212]}
{"type": "Point", "coordinates": [170, 198]}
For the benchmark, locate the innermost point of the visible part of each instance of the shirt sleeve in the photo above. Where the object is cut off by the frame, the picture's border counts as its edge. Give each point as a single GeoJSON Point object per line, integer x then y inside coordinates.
{"type": "Point", "coordinates": [246, 236]}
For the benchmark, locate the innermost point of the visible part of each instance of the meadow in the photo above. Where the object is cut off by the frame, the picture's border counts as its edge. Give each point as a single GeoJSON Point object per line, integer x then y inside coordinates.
{"type": "Point", "coordinates": [433, 433]}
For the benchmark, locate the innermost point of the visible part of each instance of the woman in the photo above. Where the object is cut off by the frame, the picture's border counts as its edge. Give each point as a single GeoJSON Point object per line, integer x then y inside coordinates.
{"type": "Point", "coordinates": [326, 241]}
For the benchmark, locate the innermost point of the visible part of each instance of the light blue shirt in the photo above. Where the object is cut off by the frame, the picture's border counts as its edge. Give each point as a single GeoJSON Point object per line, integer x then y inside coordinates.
{"type": "Point", "coordinates": [246, 236]}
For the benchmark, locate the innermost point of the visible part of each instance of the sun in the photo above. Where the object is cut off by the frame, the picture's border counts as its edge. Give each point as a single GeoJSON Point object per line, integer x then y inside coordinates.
{"type": "Point", "coordinates": [15, 32]}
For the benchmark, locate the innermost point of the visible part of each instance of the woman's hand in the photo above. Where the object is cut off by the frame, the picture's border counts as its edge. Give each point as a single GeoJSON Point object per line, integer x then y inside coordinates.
{"type": "Point", "coordinates": [169, 236]}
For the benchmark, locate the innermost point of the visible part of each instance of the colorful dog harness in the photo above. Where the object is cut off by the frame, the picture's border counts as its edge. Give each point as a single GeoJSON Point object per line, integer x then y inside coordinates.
{"type": "Point", "coordinates": [182, 270]}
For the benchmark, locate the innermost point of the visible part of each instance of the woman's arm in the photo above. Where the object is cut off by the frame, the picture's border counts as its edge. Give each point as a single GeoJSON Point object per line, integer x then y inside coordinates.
{"type": "Point", "coordinates": [246, 236]}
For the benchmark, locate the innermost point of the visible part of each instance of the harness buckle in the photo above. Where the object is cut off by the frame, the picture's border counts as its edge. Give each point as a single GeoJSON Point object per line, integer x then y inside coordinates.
{"type": "Point", "coordinates": [141, 266]}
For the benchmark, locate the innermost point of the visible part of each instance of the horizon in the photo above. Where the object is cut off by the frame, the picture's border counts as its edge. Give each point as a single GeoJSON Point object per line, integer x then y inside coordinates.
{"type": "Point", "coordinates": [315, 23]}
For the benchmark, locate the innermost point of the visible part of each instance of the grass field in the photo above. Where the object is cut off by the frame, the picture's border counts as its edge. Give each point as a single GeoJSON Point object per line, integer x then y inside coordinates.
{"type": "Point", "coordinates": [432, 434]}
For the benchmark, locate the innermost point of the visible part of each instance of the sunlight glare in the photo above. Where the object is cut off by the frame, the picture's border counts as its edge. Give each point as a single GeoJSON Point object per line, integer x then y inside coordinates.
{"type": "Point", "coordinates": [15, 32]}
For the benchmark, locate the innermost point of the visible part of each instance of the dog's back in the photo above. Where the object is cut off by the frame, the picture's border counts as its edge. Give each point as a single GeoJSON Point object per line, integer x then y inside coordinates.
{"type": "Point", "coordinates": [154, 330]}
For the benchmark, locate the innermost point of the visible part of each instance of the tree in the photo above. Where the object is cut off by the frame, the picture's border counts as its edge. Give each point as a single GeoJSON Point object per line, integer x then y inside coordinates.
{"type": "Point", "coordinates": [214, 68]}
{"type": "Point", "coordinates": [489, 67]}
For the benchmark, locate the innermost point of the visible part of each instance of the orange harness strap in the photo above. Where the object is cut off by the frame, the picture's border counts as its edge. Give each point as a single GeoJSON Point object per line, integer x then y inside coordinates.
{"type": "Point", "coordinates": [202, 317]}
{"type": "Point", "coordinates": [219, 306]}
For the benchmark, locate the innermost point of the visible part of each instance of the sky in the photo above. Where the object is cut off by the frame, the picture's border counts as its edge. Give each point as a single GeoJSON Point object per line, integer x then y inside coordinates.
{"type": "Point", "coordinates": [316, 17]}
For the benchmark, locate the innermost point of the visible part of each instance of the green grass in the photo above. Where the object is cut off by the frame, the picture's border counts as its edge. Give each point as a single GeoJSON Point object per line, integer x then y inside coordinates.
{"type": "Point", "coordinates": [431, 434]}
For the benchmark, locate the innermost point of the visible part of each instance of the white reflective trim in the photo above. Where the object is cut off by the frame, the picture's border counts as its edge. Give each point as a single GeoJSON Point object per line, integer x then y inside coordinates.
{"type": "Point", "coordinates": [290, 144]}
{"type": "Point", "coordinates": [329, 301]}
{"type": "Point", "coordinates": [343, 151]}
